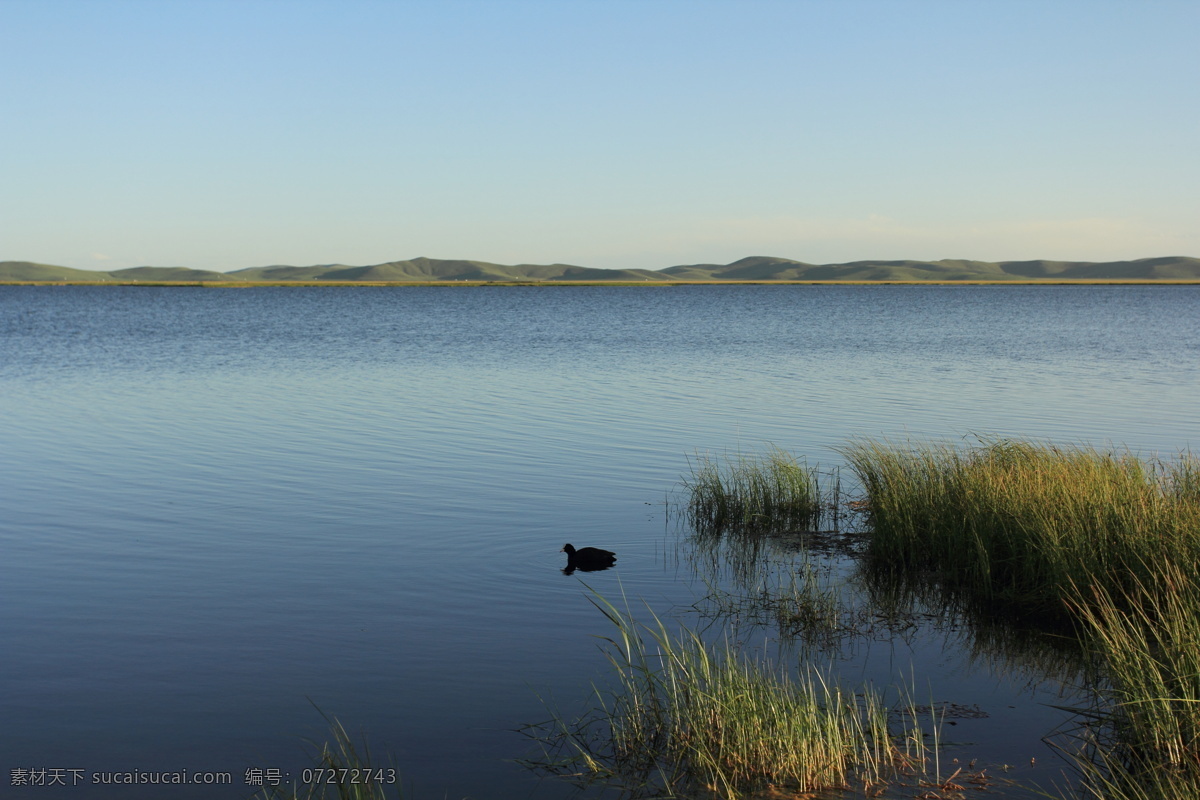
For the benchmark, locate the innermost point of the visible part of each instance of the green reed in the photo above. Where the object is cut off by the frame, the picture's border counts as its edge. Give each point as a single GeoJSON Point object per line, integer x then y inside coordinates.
{"type": "Point", "coordinates": [1021, 523]}
{"type": "Point", "coordinates": [1104, 539]}
{"type": "Point", "coordinates": [748, 493]}
{"type": "Point", "coordinates": [341, 771]}
{"type": "Point", "coordinates": [1147, 743]}
{"type": "Point", "coordinates": [690, 719]}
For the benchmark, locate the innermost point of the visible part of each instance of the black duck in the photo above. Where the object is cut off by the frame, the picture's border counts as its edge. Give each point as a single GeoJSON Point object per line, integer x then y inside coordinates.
{"type": "Point", "coordinates": [589, 558]}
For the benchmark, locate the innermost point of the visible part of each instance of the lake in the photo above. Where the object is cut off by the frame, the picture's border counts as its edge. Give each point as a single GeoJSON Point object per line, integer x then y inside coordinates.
{"type": "Point", "coordinates": [223, 509]}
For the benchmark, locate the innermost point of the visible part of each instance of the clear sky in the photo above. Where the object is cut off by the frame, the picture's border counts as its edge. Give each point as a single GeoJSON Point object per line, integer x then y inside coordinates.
{"type": "Point", "coordinates": [607, 133]}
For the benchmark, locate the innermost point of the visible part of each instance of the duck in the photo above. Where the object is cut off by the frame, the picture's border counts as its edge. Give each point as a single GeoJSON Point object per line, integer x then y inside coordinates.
{"type": "Point", "coordinates": [588, 558]}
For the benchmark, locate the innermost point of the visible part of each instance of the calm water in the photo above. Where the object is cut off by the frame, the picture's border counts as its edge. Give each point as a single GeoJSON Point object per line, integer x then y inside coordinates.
{"type": "Point", "coordinates": [221, 507]}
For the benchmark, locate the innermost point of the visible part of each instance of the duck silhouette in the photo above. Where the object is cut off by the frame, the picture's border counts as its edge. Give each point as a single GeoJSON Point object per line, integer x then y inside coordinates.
{"type": "Point", "coordinates": [587, 559]}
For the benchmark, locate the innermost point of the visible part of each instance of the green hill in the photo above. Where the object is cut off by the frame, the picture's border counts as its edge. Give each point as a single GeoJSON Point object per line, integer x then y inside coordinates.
{"type": "Point", "coordinates": [752, 268]}
{"type": "Point", "coordinates": [768, 268]}
{"type": "Point", "coordinates": [29, 271]}
{"type": "Point", "coordinates": [156, 274]}
{"type": "Point", "coordinates": [283, 273]}
{"type": "Point", "coordinates": [1177, 268]}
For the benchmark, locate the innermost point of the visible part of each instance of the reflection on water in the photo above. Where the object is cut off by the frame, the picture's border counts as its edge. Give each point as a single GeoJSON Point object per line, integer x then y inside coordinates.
{"type": "Point", "coordinates": [995, 687]}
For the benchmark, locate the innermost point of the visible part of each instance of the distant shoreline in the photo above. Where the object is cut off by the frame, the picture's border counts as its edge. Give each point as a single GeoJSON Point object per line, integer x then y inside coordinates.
{"type": "Point", "coordinates": [765, 270]}
{"type": "Point", "coordinates": [652, 284]}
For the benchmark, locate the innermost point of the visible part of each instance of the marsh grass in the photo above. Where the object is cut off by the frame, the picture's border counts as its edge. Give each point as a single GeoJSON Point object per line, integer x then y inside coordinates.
{"type": "Point", "coordinates": [1027, 525]}
{"type": "Point", "coordinates": [688, 719]}
{"type": "Point", "coordinates": [1144, 734]}
{"type": "Point", "coordinates": [745, 493]}
{"type": "Point", "coordinates": [342, 770]}
{"type": "Point", "coordinates": [1102, 539]}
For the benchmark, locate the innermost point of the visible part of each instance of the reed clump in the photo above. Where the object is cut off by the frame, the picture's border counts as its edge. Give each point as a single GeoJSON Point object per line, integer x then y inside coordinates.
{"type": "Point", "coordinates": [688, 719]}
{"type": "Point", "coordinates": [1145, 732]}
{"type": "Point", "coordinates": [1028, 525]}
{"type": "Point", "coordinates": [1102, 539]}
{"type": "Point", "coordinates": [753, 493]}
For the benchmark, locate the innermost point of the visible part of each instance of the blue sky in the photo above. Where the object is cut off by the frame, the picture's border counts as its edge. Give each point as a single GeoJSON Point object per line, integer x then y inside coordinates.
{"type": "Point", "coordinates": [222, 135]}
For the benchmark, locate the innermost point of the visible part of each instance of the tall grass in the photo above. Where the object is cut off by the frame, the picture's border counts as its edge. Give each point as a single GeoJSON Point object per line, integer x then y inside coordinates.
{"type": "Point", "coordinates": [1104, 539]}
{"type": "Point", "coordinates": [341, 771]}
{"type": "Point", "coordinates": [751, 493]}
{"type": "Point", "coordinates": [690, 719]}
{"type": "Point", "coordinates": [1020, 523]}
{"type": "Point", "coordinates": [1146, 731]}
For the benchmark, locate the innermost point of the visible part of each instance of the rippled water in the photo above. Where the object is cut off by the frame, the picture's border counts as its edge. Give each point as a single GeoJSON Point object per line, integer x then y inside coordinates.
{"type": "Point", "coordinates": [220, 505]}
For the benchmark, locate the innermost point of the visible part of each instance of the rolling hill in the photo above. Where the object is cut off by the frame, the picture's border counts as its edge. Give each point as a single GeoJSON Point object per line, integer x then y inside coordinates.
{"type": "Point", "coordinates": [753, 268]}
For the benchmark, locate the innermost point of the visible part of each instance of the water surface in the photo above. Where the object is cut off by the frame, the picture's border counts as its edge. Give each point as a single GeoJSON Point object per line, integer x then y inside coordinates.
{"type": "Point", "coordinates": [221, 507]}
